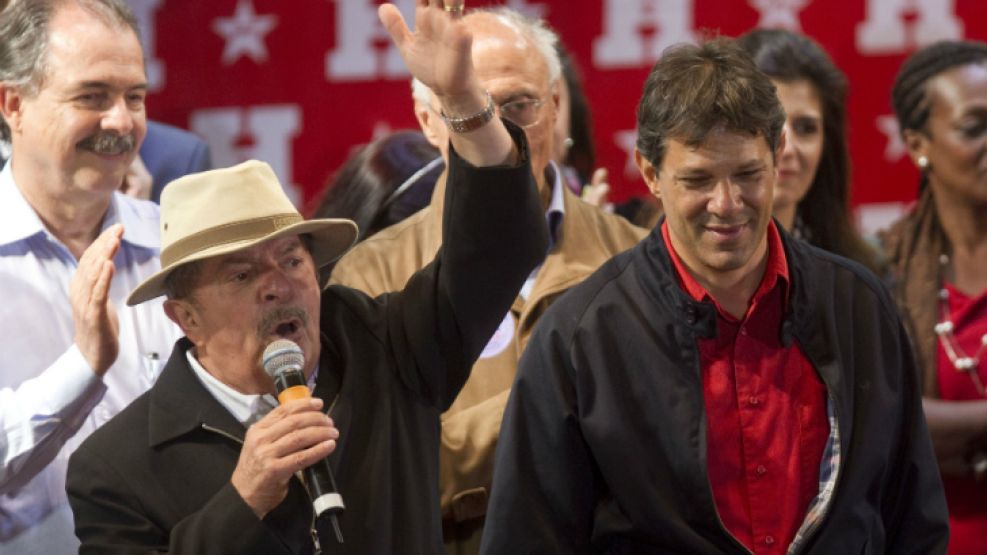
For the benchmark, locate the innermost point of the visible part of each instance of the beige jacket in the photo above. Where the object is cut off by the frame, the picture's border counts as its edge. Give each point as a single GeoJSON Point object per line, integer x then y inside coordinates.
{"type": "Point", "coordinates": [385, 261]}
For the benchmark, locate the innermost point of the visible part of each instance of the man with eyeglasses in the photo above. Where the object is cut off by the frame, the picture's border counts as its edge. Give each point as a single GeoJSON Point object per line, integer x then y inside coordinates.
{"type": "Point", "coordinates": [516, 61]}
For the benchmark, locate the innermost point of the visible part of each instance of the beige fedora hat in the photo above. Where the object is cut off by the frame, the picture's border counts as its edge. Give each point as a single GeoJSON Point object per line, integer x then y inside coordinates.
{"type": "Point", "coordinates": [222, 211]}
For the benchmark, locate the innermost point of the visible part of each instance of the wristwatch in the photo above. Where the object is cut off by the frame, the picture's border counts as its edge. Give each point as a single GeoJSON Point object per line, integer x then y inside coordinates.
{"type": "Point", "coordinates": [472, 122]}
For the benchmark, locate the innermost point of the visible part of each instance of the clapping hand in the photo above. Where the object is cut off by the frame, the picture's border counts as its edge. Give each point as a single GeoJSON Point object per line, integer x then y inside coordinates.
{"type": "Point", "coordinates": [94, 317]}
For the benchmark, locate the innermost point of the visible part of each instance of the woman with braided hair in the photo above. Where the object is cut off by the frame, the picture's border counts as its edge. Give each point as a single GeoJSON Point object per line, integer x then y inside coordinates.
{"type": "Point", "coordinates": [938, 257]}
{"type": "Point", "coordinates": [812, 194]}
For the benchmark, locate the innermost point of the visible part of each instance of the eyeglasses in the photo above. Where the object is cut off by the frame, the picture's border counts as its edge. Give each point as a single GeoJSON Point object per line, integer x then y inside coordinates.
{"type": "Point", "coordinates": [524, 112]}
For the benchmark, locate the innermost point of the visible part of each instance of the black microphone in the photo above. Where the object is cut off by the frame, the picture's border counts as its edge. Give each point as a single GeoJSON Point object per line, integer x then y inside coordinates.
{"type": "Point", "coordinates": [283, 361]}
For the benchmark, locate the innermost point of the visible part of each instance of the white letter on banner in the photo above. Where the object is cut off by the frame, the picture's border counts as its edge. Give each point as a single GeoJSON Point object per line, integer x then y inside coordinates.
{"type": "Point", "coordinates": [636, 31]}
{"type": "Point", "coordinates": [261, 132]}
{"type": "Point", "coordinates": [144, 12]}
{"type": "Point", "coordinates": [364, 51]}
{"type": "Point", "coordinates": [887, 32]}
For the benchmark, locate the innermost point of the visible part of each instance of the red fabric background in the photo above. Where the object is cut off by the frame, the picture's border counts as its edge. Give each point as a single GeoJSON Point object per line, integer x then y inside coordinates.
{"type": "Point", "coordinates": [226, 103]}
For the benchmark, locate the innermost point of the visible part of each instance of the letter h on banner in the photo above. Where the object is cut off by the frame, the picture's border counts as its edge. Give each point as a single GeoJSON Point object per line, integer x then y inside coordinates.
{"type": "Point", "coordinates": [364, 51]}
{"type": "Point", "coordinates": [635, 32]}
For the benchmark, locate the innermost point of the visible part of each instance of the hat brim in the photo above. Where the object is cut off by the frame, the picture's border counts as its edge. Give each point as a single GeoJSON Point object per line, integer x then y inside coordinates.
{"type": "Point", "coordinates": [331, 238]}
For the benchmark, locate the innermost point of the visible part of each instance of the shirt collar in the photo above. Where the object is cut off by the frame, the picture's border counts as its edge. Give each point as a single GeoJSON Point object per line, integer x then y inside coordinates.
{"type": "Point", "coordinates": [556, 207]}
{"type": "Point", "coordinates": [775, 272]}
{"type": "Point", "coordinates": [139, 218]}
{"type": "Point", "coordinates": [20, 221]}
{"type": "Point", "coordinates": [246, 408]}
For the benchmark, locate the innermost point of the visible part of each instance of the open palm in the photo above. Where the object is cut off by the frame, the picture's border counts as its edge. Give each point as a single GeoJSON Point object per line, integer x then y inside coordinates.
{"type": "Point", "coordinates": [437, 53]}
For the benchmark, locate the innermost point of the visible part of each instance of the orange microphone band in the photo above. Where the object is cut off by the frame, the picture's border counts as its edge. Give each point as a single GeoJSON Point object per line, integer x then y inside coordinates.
{"type": "Point", "coordinates": [294, 392]}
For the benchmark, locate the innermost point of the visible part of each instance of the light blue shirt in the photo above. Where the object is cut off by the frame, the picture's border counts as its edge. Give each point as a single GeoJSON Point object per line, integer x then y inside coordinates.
{"type": "Point", "coordinates": [50, 399]}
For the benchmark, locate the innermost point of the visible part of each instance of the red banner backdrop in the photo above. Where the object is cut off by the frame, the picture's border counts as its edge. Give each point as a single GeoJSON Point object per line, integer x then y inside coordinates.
{"type": "Point", "coordinates": [298, 83]}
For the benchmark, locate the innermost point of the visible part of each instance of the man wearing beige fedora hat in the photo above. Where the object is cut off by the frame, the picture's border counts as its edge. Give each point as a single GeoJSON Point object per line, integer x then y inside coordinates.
{"type": "Point", "coordinates": [205, 462]}
{"type": "Point", "coordinates": [72, 86]}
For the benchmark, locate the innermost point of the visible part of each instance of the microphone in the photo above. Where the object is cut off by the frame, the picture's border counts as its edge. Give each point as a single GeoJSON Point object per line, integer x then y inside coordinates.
{"type": "Point", "coordinates": [283, 360]}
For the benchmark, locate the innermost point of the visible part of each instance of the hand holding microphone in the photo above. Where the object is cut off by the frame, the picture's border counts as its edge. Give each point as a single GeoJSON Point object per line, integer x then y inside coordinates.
{"type": "Point", "coordinates": [283, 361]}
{"type": "Point", "coordinates": [292, 438]}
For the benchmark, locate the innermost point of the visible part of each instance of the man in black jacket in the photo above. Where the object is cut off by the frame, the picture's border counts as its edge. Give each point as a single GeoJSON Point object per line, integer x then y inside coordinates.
{"type": "Point", "coordinates": [720, 388]}
{"type": "Point", "coordinates": [204, 462]}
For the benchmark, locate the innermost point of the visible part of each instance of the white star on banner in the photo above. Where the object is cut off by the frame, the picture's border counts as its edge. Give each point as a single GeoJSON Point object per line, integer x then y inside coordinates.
{"type": "Point", "coordinates": [779, 14]}
{"type": "Point", "coordinates": [895, 148]}
{"type": "Point", "coordinates": [627, 140]}
{"type": "Point", "coordinates": [244, 33]}
{"type": "Point", "coordinates": [534, 11]}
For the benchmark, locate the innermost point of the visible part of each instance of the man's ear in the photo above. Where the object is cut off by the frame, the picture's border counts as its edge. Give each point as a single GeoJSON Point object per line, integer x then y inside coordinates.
{"type": "Point", "coordinates": [11, 106]}
{"type": "Point", "coordinates": [432, 126]}
{"type": "Point", "coordinates": [648, 172]}
{"type": "Point", "coordinates": [184, 314]}
{"type": "Point", "coordinates": [557, 93]}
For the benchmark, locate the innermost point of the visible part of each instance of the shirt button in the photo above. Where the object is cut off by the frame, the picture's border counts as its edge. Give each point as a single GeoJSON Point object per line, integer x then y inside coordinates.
{"type": "Point", "coordinates": [754, 400]}
{"type": "Point", "coordinates": [761, 471]}
{"type": "Point", "coordinates": [743, 331]}
{"type": "Point", "coordinates": [769, 540]}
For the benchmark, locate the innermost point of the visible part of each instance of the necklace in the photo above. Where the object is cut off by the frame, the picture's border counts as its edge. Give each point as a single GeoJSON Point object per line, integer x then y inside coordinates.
{"type": "Point", "coordinates": [944, 329]}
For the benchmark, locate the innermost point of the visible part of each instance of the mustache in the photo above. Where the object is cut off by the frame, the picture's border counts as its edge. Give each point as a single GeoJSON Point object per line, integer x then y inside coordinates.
{"type": "Point", "coordinates": [109, 143]}
{"type": "Point", "coordinates": [279, 314]}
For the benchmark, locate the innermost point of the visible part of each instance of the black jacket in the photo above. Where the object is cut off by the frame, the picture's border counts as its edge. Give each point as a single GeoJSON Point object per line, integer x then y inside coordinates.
{"type": "Point", "coordinates": [157, 477]}
{"type": "Point", "coordinates": [603, 444]}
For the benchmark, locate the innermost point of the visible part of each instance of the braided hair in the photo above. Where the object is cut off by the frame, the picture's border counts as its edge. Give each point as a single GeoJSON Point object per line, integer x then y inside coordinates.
{"type": "Point", "coordinates": [909, 96]}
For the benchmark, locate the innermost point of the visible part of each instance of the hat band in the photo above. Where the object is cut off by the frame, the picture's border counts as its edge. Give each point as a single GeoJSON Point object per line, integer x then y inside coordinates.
{"type": "Point", "coordinates": [244, 230]}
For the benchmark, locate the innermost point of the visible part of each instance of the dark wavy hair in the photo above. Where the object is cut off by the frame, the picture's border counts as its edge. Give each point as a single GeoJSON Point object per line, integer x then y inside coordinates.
{"type": "Point", "coordinates": [368, 187]}
{"type": "Point", "coordinates": [825, 210]}
{"type": "Point", "coordinates": [693, 90]}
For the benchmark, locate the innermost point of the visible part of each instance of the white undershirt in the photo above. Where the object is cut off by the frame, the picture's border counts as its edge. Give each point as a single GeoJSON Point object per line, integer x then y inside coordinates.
{"type": "Point", "coordinates": [246, 408]}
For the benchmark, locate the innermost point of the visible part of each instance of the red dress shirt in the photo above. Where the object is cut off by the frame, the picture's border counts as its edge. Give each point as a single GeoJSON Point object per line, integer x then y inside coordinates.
{"type": "Point", "coordinates": [766, 423]}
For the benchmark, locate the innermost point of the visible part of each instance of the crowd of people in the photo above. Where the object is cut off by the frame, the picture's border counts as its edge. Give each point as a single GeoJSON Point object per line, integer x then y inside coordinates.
{"type": "Point", "coordinates": [491, 358]}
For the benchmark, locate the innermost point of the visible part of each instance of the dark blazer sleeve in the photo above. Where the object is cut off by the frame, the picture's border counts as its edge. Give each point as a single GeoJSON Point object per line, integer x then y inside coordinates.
{"type": "Point", "coordinates": [109, 517]}
{"type": "Point", "coordinates": [493, 235]}
{"type": "Point", "coordinates": [544, 486]}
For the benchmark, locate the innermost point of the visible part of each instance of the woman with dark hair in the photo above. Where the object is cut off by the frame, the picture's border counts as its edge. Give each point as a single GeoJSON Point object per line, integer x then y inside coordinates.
{"type": "Point", "coordinates": [812, 193]}
{"type": "Point", "coordinates": [938, 258]}
{"type": "Point", "coordinates": [383, 183]}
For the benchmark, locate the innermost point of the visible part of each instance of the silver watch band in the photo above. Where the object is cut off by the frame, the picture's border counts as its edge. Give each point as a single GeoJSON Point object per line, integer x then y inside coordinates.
{"type": "Point", "coordinates": [471, 122]}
